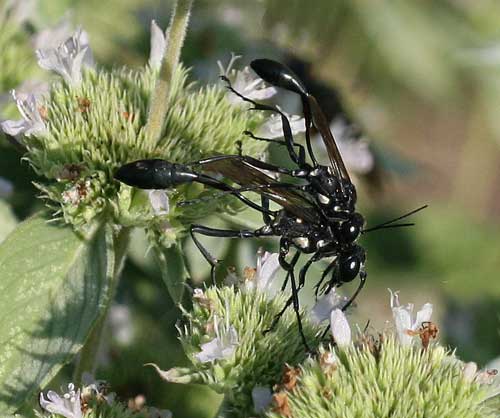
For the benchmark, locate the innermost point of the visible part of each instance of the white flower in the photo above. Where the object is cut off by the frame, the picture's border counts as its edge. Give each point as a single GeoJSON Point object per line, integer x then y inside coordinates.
{"type": "Point", "coordinates": [222, 346]}
{"type": "Point", "coordinates": [340, 328]}
{"type": "Point", "coordinates": [262, 398]}
{"type": "Point", "coordinates": [403, 318]}
{"type": "Point", "coordinates": [68, 59]}
{"type": "Point", "coordinates": [121, 323]}
{"type": "Point", "coordinates": [69, 405]}
{"type": "Point", "coordinates": [273, 128]}
{"type": "Point", "coordinates": [245, 82]}
{"type": "Point", "coordinates": [158, 45]}
{"type": "Point", "coordinates": [54, 36]}
{"type": "Point", "coordinates": [159, 202]}
{"type": "Point", "coordinates": [32, 122]}
{"type": "Point", "coordinates": [355, 151]}
{"type": "Point", "coordinates": [325, 305]}
{"type": "Point", "coordinates": [6, 188]}
{"type": "Point", "coordinates": [261, 278]}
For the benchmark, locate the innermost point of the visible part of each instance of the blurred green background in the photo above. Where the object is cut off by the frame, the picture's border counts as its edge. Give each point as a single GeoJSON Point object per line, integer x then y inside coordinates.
{"type": "Point", "coordinates": [421, 79]}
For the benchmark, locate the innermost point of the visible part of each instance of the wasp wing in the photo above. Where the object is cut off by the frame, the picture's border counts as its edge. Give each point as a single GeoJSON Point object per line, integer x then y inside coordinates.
{"type": "Point", "coordinates": [250, 178]}
{"type": "Point", "coordinates": [323, 128]}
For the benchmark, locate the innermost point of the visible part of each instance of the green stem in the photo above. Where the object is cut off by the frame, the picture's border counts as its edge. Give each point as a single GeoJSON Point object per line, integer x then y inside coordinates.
{"type": "Point", "coordinates": [175, 36]}
{"type": "Point", "coordinates": [88, 355]}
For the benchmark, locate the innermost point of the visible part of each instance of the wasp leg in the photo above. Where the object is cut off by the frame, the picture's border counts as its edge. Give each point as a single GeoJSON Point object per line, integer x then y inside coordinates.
{"type": "Point", "coordinates": [362, 281]}
{"type": "Point", "coordinates": [287, 130]}
{"type": "Point", "coordinates": [290, 267]}
{"type": "Point", "coordinates": [305, 268]}
{"type": "Point", "coordinates": [302, 151]}
{"type": "Point", "coordinates": [234, 191]}
{"type": "Point", "coordinates": [308, 122]}
{"type": "Point", "coordinates": [237, 191]}
{"type": "Point", "coordinates": [317, 286]}
{"type": "Point", "coordinates": [264, 200]}
{"type": "Point", "coordinates": [222, 233]}
{"type": "Point", "coordinates": [289, 300]}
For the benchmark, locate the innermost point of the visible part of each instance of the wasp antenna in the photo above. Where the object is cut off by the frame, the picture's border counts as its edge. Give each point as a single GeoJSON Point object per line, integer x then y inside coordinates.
{"type": "Point", "coordinates": [387, 224]}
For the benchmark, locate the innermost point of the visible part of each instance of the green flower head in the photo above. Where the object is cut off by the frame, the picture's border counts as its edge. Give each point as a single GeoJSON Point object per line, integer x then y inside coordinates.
{"type": "Point", "coordinates": [93, 400]}
{"type": "Point", "coordinates": [381, 379]}
{"type": "Point", "coordinates": [400, 374]}
{"type": "Point", "coordinates": [95, 120]}
{"type": "Point", "coordinates": [228, 339]}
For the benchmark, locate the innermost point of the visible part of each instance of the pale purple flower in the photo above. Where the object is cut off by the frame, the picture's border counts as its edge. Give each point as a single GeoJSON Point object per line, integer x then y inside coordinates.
{"type": "Point", "coordinates": [6, 188]}
{"type": "Point", "coordinates": [267, 267]}
{"type": "Point", "coordinates": [19, 11]}
{"type": "Point", "coordinates": [325, 305]}
{"type": "Point", "coordinates": [68, 59]}
{"type": "Point", "coordinates": [32, 122]}
{"type": "Point", "coordinates": [158, 45]}
{"type": "Point", "coordinates": [69, 405]}
{"type": "Point", "coordinates": [245, 82]}
{"type": "Point", "coordinates": [273, 128]}
{"type": "Point", "coordinates": [487, 376]}
{"type": "Point", "coordinates": [222, 346]}
{"type": "Point", "coordinates": [159, 202]}
{"type": "Point", "coordinates": [122, 327]}
{"type": "Point", "coordinates": [403, 318]}
{"type": "Point", "coordinates": [262, 398]}
{"type": "Point", "coordinates": [340, 328]}
{"type": "Point", "coordinates": [355, 151]}
{"type": "Point", "coordinates": [53, 37]}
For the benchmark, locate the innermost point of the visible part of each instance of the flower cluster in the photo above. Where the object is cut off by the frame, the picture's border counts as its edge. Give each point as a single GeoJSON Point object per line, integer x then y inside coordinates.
{"type": "Point", "coordinates": [227, 336]}
{"type": "Point", "coordinates": [93, 400]}
{"type": "Point", "coordinates": [403, 372]}
{"type": "Point", "coordinates": [385, 375]}
{"type": "Point", "coordinates": [93, 121]}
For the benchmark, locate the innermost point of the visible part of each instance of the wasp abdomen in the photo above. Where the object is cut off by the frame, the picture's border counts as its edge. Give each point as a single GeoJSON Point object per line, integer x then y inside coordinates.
{"type": "Point", "coordinates": [154, 174]}
{"type": "Point", "coordinates": [278, 75]}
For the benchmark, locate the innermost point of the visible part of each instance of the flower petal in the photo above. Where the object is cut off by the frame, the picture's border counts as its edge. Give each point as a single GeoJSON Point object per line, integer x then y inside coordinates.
{"type": "Point", "coordinates": [267, 267]}
{"type": "Point", "coordinates": [210, 351]}
{"type": "Point", "coordinates": [273, 127]}
{"type": "Point", "coordinates": [68, 58]}
{"type": "Point", "coordinates": [423, 315]}
{"type": "Point", "coordinates": [340, 328]}
{"type": "Point", "coordinates": [159, 202]}
{"type": "Point", "coordinates": [6, 188]}
{"type": "Point", "coordinates": [325, 305]}
{"type": "Point", "coordinates": [262, 398]}
{"type": "Point", "coordinates": [158, 45]}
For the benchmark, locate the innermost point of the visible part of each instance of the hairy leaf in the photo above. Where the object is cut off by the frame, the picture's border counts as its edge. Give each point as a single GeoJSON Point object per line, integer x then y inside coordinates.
{"type": "Point", "coordinates": [54, 285]}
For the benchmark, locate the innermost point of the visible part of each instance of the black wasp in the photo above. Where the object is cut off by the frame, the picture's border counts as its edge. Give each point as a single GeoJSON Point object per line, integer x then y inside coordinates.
{"type": "Point", "coordinates": [317, 215]}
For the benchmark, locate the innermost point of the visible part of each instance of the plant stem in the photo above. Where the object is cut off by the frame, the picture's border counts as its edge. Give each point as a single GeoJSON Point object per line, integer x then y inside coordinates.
{"type": "Point", "coordinates": [88, 355]}
{"type": "Point", "coordinates": [175, 36]}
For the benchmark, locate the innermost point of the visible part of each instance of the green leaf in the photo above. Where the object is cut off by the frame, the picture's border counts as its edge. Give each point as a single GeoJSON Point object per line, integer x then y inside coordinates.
{"type": "Point", "coordinates": [173, 270]}
{"type": "Point", "coordinates": [8, 220]}
{"type": "Point", "coordinates": [54, 286]}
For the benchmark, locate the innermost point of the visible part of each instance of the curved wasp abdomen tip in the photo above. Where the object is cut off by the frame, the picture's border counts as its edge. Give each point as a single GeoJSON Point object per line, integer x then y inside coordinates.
{"type": "Point", "coordinates": [278, 75]}
{"type": "Point", "coordinates": [143, 174]}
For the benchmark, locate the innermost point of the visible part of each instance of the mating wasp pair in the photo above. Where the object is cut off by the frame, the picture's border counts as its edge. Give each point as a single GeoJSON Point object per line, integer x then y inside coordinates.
{"type": "Point", "coordinates": [317, 214]}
